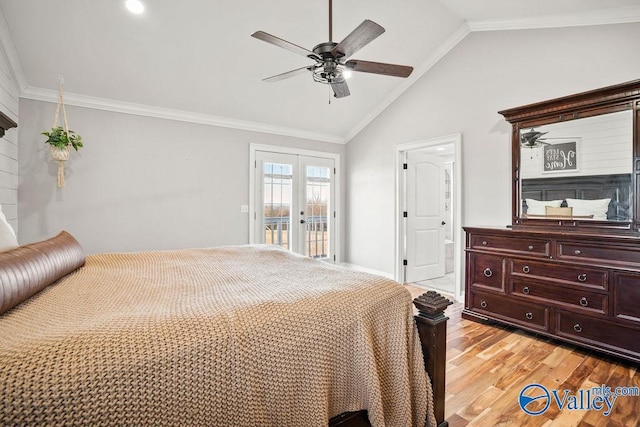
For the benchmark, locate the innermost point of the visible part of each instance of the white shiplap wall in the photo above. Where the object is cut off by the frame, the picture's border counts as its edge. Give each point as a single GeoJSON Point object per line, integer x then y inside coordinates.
{"type": "Point", "coordinates": [9, 144]}
{"type": "Point", "coordinates": [605, 146]}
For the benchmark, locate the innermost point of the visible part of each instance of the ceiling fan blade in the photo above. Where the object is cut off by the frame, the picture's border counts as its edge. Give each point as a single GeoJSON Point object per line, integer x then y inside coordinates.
{"type": "Point", "coordinates": [288, 74]}
{"type": "Point", "coordinates": [266, 37]}
{"type": "Point", "coordinates": [357, 39]}
{"type": "Point", "coordinates": [379, 68]}
{"type": "Point", "coordinates": [340, 89]}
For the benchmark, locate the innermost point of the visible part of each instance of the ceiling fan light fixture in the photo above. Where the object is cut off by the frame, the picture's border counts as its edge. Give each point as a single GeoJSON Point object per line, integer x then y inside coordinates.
{"type": "Point", "coordinates": [530, 144]}
{"type": "Point", "coordinates": [329, 72]}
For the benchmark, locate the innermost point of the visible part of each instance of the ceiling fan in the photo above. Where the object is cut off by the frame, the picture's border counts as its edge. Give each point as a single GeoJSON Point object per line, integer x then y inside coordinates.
{"type": "Point", "coordinates": [331, 58]}
{"type": "Point", "coordinates": [533, 139]}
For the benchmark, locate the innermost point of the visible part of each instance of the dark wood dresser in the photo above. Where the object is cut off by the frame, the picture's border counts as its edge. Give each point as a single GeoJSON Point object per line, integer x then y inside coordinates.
{"type": "Point", "coordinates": [576, 287]}
{"type": "Point", "coordinates": [568, 267]}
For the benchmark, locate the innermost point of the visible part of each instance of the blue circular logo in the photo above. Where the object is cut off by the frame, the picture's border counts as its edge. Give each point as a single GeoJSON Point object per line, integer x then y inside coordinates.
{"type": "Point", "coordinates": [534, 399]}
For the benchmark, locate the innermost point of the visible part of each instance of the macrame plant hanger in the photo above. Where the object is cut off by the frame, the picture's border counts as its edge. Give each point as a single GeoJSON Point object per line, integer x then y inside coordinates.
{"type": "Point", "coordinates": [60, 155]}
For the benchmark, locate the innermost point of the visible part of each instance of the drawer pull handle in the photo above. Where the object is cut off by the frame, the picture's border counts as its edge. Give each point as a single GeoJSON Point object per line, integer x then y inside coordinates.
{"type": "Point", "coordinates": [530, 247]}
{"type": "Point", "coordinates": [577, 328]}
{"type": "Point", "coordinates": [529, 316]}
{"type": "Point", "coordinates": [525, 269]}
{"type": "Point", "coordinates": [582, 277]}
{"type": "Point", "coordinates": [577, 252]}
{"type": "Point", "coordinates": [487, 272]}
{"type": "Point", "coordinates": [584, 302]}
{"type": "Point", "coordinates": [483, 304]}
{"type": "Point", "coordinates": [525, 290]}
{"type": "Point", "coordinates": [484, 243]}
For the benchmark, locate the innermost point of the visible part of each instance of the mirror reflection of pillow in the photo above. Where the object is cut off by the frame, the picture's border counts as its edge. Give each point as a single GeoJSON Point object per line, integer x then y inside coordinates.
{"type": "Point", "coordinates": [7, 235]}
{"type": "Point", "coordinates": [538, 207]}
{"type": "Point", "coordinates": [598, 208]}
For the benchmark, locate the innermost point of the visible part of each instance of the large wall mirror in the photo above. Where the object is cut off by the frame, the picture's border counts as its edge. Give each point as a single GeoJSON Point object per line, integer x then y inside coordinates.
{"type": "Point", "coordinates": [575, 160]}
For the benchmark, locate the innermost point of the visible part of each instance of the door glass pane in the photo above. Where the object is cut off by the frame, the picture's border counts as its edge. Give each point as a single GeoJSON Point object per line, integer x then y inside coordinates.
{"type": "Point", "coordinates": [278, 191]}
{"type": "Point", "coordinates": [318, 186]}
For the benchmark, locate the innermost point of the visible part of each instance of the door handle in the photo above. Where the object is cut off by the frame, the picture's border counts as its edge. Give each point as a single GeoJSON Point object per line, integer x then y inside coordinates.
{"type": "Point", "coordinates": [444, 223]}
{"type": "Point", "coordinates": [302, 221]}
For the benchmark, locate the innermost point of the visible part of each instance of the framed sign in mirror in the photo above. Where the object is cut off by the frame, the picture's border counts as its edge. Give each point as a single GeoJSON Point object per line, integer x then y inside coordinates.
{"type": "Point", "coordinates": [560, 157]}
{"type": "Point", "coordinates": [579, 152]}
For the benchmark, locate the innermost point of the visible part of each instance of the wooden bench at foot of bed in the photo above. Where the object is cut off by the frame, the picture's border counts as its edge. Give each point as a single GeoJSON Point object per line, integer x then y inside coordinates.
{"type": "Point", "coordinates": [432, 329]}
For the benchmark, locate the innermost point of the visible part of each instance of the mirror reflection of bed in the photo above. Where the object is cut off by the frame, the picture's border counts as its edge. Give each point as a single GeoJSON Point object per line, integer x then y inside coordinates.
{"type": "Point", "coordinates": [595, 197]}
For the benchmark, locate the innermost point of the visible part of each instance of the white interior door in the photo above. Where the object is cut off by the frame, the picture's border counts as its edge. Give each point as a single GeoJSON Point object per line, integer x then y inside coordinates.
{"type": "Point", "coordinates": [295, 203]}
{"type": "Point", "coordinates": [425, 216]}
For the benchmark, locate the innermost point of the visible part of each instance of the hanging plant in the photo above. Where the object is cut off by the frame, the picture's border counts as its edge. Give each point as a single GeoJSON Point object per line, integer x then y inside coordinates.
{"type": "Point", "coordinates": [60, 138]}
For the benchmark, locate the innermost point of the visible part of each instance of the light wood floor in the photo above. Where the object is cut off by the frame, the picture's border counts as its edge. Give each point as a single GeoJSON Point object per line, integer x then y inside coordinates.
{"type": "Point", "coordinates": [488, 366]}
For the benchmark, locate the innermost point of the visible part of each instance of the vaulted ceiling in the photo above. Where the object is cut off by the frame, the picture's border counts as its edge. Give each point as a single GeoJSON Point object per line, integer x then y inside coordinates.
{"type": "Point", "coordinates": [194, 60]}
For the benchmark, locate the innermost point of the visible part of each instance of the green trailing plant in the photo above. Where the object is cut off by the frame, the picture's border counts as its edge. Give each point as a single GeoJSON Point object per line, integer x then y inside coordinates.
{"type": "Point", "coordinates": [58, 138]}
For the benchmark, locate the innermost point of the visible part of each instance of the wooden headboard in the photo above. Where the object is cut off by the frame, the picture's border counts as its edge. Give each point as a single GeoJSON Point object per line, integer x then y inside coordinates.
{"type": "Point", "coordinates": [616, 187]}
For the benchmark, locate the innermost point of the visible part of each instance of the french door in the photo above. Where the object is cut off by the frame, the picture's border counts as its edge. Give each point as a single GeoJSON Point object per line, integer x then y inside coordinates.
{"type": "Point", "coordinates": [294, 203]}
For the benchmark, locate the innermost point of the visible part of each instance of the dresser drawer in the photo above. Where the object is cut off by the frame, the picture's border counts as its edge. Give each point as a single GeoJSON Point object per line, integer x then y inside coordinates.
{"type": "Point", "coordinates": [582, 276]}
{"type": "Point", "coordinates": [557, 294]}
{"type": "Point", "coordinates": [626, 297]}
{"type": "Point", "coordinates": [487, 271]}
{"type": "Point", "coordinates": [599, 253]}
{"type": "Point", "coordinates": [531, 315]}
{"type": "Point", "coordinates": [598, 333]}
{"type": "Point", "coordinates": [519, 245]}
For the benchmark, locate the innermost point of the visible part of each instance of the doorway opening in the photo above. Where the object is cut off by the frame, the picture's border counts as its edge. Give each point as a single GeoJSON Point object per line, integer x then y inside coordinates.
{"type": "Point", "coordinates": [429, 238]}
{"type": "Point", "coordinates": [294, 200]}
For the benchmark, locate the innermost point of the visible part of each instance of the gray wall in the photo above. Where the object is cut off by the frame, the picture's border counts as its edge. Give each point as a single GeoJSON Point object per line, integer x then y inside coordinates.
{"type": "Point", "coordinates": [485, 73]}
{"type": "Point", "coordinates": [140, 183]}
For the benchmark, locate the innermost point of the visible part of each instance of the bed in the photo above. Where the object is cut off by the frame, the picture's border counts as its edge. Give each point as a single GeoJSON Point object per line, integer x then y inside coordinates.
{"type": "Point", "coordinates": [230, 336]}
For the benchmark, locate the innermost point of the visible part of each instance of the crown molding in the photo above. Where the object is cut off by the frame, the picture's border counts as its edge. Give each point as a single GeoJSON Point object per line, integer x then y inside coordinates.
{"type": "Point", "coordinates": [420, 70]}
{"type": "Point", "coordinates": [623, 15]}
{"type": "Point", "coordinates": [48, 95]}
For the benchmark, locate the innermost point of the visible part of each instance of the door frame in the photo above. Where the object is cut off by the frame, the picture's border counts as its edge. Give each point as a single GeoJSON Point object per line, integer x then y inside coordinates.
{"type": "Point", "coordinates": [399, 150]}
{"type": "Point", "coordinates": [300, 152]}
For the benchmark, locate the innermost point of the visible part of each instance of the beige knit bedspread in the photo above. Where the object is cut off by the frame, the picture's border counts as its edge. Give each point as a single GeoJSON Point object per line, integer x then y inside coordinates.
{"type": "Point", "coordinates": [233, 336]}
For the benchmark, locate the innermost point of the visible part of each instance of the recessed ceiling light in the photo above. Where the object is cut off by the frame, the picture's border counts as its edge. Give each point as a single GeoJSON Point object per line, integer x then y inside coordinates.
{"type": "Point", "coordinates": [135, 6]}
